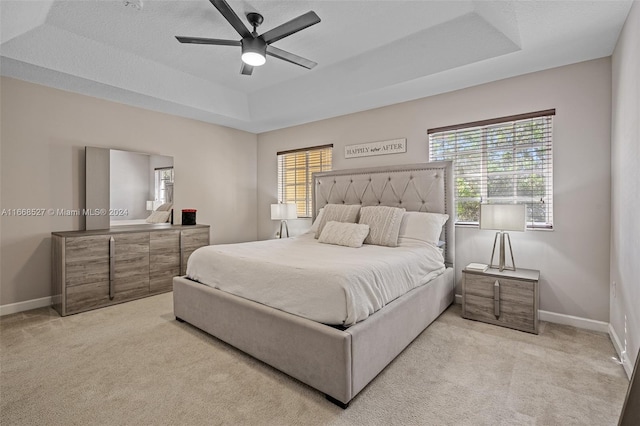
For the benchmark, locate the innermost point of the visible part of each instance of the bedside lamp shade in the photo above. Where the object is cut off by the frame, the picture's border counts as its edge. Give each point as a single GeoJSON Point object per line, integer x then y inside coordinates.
{"type": "Point", "coordinates": [282, 212]}
{"type": "Point", "coordinates": [503, 217]}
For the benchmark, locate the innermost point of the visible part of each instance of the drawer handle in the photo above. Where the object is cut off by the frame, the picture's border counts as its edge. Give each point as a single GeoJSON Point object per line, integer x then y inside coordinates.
{"type": "Point", "coordinates": [112, 267]}
{"type": "Point", "coordinates": [181, 244]}
{"type": "Point", "coordinates": [496, 299]}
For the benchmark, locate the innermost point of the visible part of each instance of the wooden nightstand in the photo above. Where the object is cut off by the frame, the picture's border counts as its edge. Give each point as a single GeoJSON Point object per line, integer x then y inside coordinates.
{"type": "Point", "coordinates": [507, 298]}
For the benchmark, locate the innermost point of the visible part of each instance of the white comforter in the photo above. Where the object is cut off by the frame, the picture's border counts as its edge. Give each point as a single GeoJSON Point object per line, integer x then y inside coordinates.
{"type": "Point", "coordinates": [322, 282]}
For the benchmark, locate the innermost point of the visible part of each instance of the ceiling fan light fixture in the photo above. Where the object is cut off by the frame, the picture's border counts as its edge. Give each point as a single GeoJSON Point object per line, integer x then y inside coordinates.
{"type": "Point", "coordinates": [253, 59]}
{"type": "Point", "coordinates": [254, 52]}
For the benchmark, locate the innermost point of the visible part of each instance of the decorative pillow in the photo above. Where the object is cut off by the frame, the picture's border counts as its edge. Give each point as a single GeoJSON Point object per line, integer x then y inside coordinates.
{"type": "Point", "coordinates": [344, 234]}
{"type": "Point", "coordinates": [164, 207]}
{"type": "Point", "coordinates": [384, 224]}
{"type": "Point", "coordinates": [314, 225]}
{"type": "Point", "coordinates": [158, 217]}
{"type": "Point", "coordinates": [421, 227]}
{"type": "Point", "coordinates": [339, 213]}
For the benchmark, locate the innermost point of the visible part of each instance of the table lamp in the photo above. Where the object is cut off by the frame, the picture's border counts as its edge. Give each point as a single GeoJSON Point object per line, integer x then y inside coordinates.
{"type": "Point", "coordinates": [502, 217]}
{"type": "Point", "coordinates": [283, 212]}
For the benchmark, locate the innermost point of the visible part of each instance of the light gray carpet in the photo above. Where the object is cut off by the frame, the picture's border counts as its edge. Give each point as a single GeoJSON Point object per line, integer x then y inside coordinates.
{"type": "Point", "coordinates": [134, 364]}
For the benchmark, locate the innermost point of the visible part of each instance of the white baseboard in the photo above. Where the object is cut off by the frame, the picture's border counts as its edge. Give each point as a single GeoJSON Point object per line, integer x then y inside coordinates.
{"type": "Point", "coordinates": [27, 305]}
{"type": "Point", "coordinates": [626, 362]}
{"type": "Point", "coordinates": [585, 323]}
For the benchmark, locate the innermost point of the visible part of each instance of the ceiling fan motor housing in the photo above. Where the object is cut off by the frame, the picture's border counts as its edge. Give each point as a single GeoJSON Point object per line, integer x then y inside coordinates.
{"type": "Point", "coordinates": [254, 51]}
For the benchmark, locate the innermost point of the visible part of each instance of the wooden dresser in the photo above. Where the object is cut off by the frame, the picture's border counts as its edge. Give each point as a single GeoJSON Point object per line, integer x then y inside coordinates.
{"type": "Point", "coordinates": [93, 269]}
{"type": "Point", "coordinates": [507, 298]}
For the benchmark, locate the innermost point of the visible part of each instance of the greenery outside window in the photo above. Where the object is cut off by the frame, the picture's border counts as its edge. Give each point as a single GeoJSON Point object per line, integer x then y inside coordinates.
{"type": "Point", "coordinates": [500, 161]}
{"type": "Point", "coordinates": [295, 170]}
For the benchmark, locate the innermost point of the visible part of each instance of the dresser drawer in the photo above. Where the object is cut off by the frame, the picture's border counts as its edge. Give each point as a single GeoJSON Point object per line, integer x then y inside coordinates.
{"type": "Point", "coordinates": [192, 239]}
{"type": "Point", "coordinates": [195, 238]}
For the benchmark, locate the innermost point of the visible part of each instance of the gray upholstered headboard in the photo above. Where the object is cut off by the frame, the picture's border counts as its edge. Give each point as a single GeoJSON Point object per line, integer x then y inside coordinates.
{"type": "Point", "coordinates": [426, 187]}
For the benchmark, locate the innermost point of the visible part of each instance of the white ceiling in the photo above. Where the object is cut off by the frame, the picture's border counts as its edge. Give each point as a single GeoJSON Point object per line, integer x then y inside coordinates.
{"type": "Point", "coordinates": [370, 53]}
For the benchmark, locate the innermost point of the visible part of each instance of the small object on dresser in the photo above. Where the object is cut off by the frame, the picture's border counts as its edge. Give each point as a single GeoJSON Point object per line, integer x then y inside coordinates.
{"type": "Point", "coordinates": [189, 216]}
{"type": "Point", "coordinates": [477, 267]}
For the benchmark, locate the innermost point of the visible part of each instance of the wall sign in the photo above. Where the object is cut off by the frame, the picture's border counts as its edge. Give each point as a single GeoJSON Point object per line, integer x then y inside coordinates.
{"type": "Point", "coordinates": [392, 146]}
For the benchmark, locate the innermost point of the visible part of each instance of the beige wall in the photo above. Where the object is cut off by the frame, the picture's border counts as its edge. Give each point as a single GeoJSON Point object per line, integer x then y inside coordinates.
{"type": "Point", "coordinates": [625, 194]}
{"type": "Point", "coordinates": [574, 258]}
{"type": "Point", "coordinates": [43, 135]}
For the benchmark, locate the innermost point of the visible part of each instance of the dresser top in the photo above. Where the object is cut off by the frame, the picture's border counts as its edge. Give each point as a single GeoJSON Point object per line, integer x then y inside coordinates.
{"type": "Point", "coordinates": [129, 228]}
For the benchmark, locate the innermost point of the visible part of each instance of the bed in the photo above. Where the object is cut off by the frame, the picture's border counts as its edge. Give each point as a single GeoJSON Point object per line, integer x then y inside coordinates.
{"type": "Point", "coordinates": [337, 360]}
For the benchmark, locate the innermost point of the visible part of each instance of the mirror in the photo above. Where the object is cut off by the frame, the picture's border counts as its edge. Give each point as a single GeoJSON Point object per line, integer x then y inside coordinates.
{"type": "Point", "coordinates": [127, 185]}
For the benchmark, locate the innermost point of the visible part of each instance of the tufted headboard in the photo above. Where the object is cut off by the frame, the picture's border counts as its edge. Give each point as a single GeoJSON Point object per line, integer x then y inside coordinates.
{"type": "Point", "coordinates": [426, 187]}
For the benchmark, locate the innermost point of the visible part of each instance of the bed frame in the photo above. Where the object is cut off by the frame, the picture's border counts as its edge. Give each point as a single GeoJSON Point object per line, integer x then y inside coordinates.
{"type": "Point", "coordinates": [339, 363]}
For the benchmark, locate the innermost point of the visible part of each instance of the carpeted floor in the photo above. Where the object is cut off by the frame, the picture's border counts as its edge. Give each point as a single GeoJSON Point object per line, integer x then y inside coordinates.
{"type": "Point", "coordinates": [133, 364]}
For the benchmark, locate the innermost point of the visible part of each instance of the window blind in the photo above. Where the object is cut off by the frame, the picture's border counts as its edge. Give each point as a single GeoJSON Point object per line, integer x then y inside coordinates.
{"type": "Point", "coordinates": [507, 160]}
{"type": "Point", "coordinates": [295, 170]}
{"type": "Point", "coordinates": [163, 177]}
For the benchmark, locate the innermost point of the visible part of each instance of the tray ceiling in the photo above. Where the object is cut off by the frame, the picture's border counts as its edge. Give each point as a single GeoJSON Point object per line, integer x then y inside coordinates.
{"type": "Point", "coordinates": [370, 53]}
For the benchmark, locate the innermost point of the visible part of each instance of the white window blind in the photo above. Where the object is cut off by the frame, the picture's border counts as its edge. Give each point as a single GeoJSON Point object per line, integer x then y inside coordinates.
{"type": "Point", "coordinates": [164, 179]}
{"type": "Point", "coordinates": [501, 161]}
{"type": "Point", "coordinates": [295, 169]}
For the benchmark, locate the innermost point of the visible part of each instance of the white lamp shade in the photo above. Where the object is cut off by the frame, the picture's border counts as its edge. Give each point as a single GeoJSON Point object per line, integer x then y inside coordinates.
{"type": "Point", "coordinates": [503, 217]}
{"type": "Point", "coordinates": [283, 211]}
{"type": "Point", "coordinates": [150, 205]}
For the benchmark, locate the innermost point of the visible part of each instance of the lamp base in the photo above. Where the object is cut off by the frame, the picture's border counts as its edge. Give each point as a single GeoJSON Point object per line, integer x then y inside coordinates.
{"type": "Point", "coordinates": [501, 266]}
{"type": "Point", "coordinates": [286, 227]}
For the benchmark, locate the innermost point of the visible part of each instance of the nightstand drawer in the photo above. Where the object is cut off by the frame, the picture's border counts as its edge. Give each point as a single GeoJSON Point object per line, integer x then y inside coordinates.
{"type": "Point", "coordinates": [512, 290]}
{"type": "Point", "coordinates": [507, 298]}
{"type": "Point", "coordinates": [515, 315]}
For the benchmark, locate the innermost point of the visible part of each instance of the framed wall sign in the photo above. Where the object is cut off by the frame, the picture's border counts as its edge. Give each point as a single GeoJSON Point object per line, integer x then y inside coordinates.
{"type": "Point", "coordinates": [392, 146]}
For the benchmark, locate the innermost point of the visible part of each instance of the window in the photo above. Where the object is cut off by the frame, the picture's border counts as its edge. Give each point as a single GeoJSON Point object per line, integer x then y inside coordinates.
{"type": "Point", "coordinates": [295, 169]}
{"type": "Point", "coordinates": [164, 184]}
{"type": "Point", "coordinates": [500, 161]}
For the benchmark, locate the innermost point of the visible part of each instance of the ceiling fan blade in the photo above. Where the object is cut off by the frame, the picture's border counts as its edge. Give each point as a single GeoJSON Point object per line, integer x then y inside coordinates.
{"type": "Point", "coordinates": [291, 27]}
{"type": "Point", "coordinates": [228, 13]}
{"type": "Point", "coordinates": [246, 69]}
{"type": "Point", "coordinates": [290, 57]}
{"type": "Point", "coordinates": [201, 40]}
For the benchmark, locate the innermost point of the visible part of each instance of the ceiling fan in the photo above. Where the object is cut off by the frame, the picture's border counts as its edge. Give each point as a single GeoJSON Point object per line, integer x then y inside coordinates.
{"type": "Point", "coordinates": [255, 47]}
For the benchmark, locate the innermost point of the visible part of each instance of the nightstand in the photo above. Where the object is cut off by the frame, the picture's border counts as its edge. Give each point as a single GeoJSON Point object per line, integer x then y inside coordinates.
{"type": "Point", "coordinates": [507, 298]}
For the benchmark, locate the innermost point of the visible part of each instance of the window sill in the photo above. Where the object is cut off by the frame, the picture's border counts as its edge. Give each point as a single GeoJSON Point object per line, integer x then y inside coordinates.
{"type": "Point", "coordinates": [470, 226]}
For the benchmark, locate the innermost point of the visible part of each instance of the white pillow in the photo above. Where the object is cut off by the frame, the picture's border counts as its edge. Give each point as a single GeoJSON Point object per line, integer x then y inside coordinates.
{"type": "Point", "coordinates": [344, 234]}
{"type": "Point", "coordinates": [338, 213]}
{"type": "Point", "coordinates": [384, 224]}
{"type": "Point", "coordinates": [421, 227]}
{"type": "Point", "coordinates": [164, 207]}
{"type": "Point", "coordinates": [158, 217]}
{"type": "Point", "coordinates": [314, 225]}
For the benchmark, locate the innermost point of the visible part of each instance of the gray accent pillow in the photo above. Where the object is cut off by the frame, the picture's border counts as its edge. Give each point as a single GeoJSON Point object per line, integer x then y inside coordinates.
{"type": "Point", "coordinates": [158, 217]}
{"type": "Point", "coordinates": [338, 213]}
{"type": "Point", "coordinates": [164, 207]}
{"type": "Point", "coordinates": [344, 234]}
{"type": "Point", "coordinates": [384, 224]}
